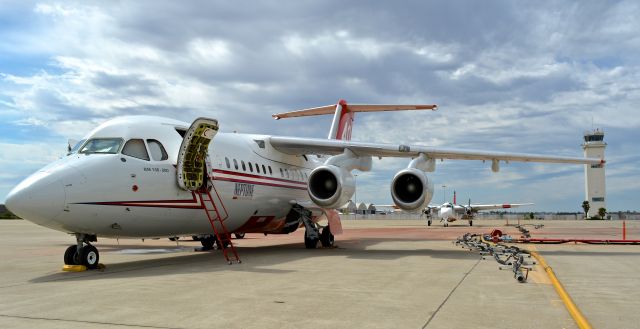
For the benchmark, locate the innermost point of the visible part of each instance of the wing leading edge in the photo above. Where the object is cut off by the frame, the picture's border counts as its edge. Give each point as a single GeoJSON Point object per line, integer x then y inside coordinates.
{"type": "Point", "coordinates": [301, 146]}
{"type": "Point", "coordinates": [480, 207]}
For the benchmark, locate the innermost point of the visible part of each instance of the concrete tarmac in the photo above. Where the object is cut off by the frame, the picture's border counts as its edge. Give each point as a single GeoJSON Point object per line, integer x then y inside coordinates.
{"type": "Point", "coordinates": [383, 274]}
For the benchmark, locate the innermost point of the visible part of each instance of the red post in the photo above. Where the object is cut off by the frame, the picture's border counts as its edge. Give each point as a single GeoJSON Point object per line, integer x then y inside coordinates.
{"type": "Point", "coordinates": [624, 230]}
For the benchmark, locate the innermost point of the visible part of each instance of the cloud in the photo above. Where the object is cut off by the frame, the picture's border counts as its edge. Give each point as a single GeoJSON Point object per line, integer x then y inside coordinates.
{"type": "Point", "coordinates": [509, 77]}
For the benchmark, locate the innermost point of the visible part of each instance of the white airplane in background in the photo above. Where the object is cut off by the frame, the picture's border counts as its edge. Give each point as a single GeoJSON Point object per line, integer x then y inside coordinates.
{"type": "Point", "coordinates": [146, 176]}
{"type": "Point", "coordinates": [450, 211]}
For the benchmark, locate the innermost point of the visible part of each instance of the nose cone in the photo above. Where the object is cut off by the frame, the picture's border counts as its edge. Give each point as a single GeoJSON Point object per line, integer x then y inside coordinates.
{"type": "Point", "coordinates": [39, 198]}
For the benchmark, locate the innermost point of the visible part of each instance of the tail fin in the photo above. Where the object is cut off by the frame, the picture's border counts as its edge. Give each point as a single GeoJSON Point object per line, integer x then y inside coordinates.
{"type": "Point", "coordinates": [344, 115]}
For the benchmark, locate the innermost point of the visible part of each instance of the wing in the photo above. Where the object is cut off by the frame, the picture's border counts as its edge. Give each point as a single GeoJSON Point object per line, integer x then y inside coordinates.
{"type": "Point", "coordinates": [478, 207]}
{"type": "Point", "coordinates": [300, 146]}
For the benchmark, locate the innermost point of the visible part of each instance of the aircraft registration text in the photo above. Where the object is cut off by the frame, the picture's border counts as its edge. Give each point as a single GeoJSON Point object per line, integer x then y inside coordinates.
{"type": "Point", "coordinates": [243, 190]}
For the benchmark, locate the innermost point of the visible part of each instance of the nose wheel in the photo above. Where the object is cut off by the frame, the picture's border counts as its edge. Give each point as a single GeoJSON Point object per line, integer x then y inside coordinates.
{"type": "Point", "coordinates": [83, 253]}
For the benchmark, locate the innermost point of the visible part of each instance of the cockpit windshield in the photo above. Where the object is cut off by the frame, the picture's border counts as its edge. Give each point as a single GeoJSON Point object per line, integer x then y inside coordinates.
{"type": "Point", "coordinates": [102, 145]}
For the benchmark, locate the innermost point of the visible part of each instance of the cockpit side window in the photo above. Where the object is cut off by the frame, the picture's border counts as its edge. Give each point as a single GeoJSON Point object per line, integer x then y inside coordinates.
{"type": "Point", "coordinates": [136, 149]}
{"type": "Point", "coordinates": [157, 150]}
{"type": "Point", "coordinates": [102, 145]}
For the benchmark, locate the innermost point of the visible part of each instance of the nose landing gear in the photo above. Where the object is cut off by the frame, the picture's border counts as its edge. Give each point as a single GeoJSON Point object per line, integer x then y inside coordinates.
{"type": "Point", "coordinates": [83, 253]}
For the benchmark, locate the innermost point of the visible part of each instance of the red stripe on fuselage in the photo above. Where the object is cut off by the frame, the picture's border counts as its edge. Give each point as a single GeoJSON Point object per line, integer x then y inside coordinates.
{"type": "Point", "coordinates": [193, 203]}
{"type": "Point", "coordinates": [226, 172]}
{"type": "Point", "coordinates": [235, 180]}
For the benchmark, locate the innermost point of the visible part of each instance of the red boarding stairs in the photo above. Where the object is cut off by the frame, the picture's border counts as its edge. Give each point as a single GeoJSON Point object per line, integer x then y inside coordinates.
{"type": "Point", "coordinates": [213, 214]}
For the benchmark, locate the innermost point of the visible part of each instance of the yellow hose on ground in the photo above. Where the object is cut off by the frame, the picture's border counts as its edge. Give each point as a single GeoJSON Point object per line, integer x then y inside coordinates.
{"type": "Point", "coordinates": [577, 316]}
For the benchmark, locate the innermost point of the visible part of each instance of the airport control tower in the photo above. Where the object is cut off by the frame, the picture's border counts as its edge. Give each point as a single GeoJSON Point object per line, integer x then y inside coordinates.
{"type": "Point", "coordinates": [594, 178]}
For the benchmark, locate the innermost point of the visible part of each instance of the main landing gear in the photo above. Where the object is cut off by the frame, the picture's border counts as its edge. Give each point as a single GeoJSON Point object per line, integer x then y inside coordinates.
{"type": "Point", "coordinates": [311, 238]}
{"type": "Point", "coordinates": [83, 253]}
{"type": "Point", "coordinates": [209, 241]}
{"type": "Point", "coordinates": [312, 232]}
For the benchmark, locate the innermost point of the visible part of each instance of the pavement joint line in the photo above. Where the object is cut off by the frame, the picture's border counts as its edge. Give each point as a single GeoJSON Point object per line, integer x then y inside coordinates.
{"type": "Point", "coordinates": [83, 321]}
{"type": "Point", "coordinates": [451, 293]}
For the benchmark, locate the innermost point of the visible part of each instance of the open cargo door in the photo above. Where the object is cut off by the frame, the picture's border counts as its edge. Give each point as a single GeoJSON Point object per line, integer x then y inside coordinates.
{"type": "Point", "coordinates": [193, 152]}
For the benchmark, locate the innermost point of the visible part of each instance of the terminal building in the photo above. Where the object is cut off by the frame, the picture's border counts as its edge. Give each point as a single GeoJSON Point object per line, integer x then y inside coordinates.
{"type": "Point", "coordinates": [594, 175]}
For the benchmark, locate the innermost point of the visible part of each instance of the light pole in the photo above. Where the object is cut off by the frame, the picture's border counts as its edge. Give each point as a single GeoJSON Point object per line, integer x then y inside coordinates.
{"type": "Point", "coordinates": [355, 195]}
{"type": "Point", "coordinates": [444, 192]}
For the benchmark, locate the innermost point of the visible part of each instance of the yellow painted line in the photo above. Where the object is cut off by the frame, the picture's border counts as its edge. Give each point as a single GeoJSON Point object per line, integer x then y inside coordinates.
{"type": "Point", "coordinates": [577, 316]}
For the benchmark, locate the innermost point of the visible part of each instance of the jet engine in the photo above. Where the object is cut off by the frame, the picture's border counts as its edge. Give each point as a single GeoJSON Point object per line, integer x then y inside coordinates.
{"type": "Point", "coordinates": [331, 186]}
{"type": "Point", "coordinates": [411, 189]}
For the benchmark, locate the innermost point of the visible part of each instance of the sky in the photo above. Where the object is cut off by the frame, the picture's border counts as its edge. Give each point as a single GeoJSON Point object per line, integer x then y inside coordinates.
{"type": "Point", "coordinates": [509, 76]}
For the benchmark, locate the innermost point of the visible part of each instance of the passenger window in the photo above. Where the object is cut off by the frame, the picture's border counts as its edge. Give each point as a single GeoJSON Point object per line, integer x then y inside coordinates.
{"type": "Point", "coordinates": [244, 168]}
{"type": "Point", "coordinates": [136, 149]}
{"type": "Point", "coordinates": [264, 170]}
{"type": "Point", "coordinates": [287, 172]}
{"type": "Point", "coordinates": [227, 162]}
{"type": "Point", "coordinates": [281, 173]}
{"type": "Point", "coordinates": [235, 164]}
{"type": "Point", "coordinates": [157, 150]}
{"type": "Point", "coordinates": [257, 168]}
{"type": "Point", "coordinates": [250, 167]}
{"type": "Point", "coordinates": [270, 171]}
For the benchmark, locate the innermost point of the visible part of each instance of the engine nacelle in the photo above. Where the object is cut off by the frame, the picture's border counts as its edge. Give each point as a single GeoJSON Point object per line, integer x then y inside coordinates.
{"type": "Point", "coordinates": [411, 189]}
{"type": "Point", "coordinates": [331, 186]}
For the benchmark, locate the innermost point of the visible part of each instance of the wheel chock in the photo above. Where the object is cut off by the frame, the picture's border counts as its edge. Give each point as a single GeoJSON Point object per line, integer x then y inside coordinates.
{"type": "Point", "coordinates": [81, 268]}
{"type": "Point", "coordinates": [74, 268]}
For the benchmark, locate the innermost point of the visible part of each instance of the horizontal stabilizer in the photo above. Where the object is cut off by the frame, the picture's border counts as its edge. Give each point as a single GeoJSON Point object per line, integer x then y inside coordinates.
{"type": "Point", "coordinates": [330, 109]}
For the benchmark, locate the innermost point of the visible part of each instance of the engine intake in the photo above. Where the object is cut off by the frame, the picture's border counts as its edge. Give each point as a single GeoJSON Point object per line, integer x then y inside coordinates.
{"type": "Point", "coordinates": [330, 186]}
{"type": "Point", "coordinates": [411, 189]}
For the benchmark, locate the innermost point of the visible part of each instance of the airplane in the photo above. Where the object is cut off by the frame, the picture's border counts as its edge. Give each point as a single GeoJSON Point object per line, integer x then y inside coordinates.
{"type": "Point", "coordinates": [155, 177]}
{"type": "Point", "coordinates": [449, 212]}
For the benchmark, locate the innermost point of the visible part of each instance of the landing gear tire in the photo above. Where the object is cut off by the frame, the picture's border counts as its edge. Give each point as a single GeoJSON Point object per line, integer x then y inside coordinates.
{"type": "Point", "coordinates": [207, 242]}
{"type": "Point", "coordinates": [326, 238]}
{"type": "Point", "coordinates": [470, 223]}
{"type": "Point", "coordinates": [310, 243]}
{"type": "Point", "coordinates": [429, 222]}
{"type": "Point", "coordinates": [446, 224]}
{"type": "Point", "coordinates": [70, 255]}
{"type": "Point", "coordinates": [90, 257]}
{"type": "Point", "coordinates": [239, 235]}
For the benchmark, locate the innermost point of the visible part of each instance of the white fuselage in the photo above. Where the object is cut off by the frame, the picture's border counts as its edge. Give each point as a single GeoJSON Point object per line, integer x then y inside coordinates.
{"type": "Point", "coordinates": [116, 195]}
